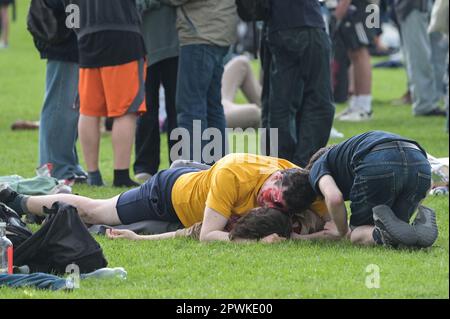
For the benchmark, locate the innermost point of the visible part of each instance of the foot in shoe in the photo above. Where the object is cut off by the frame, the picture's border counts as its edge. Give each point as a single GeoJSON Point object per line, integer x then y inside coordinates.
{"type": "Point", "coordinates": [143, 177]}
{"type": "Point", "coordinates": [426, 227]}
{"type": "Point", "coordinates": [400, 232]}
{"type": "Point", "coordinates": [123, 183]}
{"type": "Point", "coordinates": [7, 195]}
{"type": "Point", "coordinates": [356, 116]}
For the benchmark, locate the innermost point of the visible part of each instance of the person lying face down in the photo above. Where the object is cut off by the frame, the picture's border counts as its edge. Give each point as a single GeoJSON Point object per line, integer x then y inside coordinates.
{"type": "Point", "coordinates": [268, 225]}
{"type": "Point", "coordinates": [233, 186]}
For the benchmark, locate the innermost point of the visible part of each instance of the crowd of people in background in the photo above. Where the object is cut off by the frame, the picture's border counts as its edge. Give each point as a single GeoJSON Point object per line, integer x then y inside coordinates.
{"type": "Point", "coordinates": [312, 54]}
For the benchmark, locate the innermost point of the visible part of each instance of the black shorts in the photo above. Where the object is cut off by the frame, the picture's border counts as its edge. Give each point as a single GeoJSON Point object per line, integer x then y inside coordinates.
{"type": "Point", "coordinates": [354, 31]}
{"type": "Point", "coordinates": [153, 200]}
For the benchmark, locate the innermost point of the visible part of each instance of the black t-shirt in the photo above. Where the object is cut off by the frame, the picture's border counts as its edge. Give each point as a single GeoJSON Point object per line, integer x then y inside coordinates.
{"type": "Point", "coordinates": [110, 48]}
{"type": "Point", "coordinates": [341, 160]}
{"type": "Point", "coordinates": [289, 14]}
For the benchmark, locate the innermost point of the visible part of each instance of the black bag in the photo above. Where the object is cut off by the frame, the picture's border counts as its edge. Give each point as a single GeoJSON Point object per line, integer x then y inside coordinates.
{"type": "Point", "coordinates": [62, 240]}
{"type": "Point", "coordinates": [46, 25]}
{"type": "Point", "coordinates": [253, 10]}
{"type": "Point", "coordinates": [16, 230]}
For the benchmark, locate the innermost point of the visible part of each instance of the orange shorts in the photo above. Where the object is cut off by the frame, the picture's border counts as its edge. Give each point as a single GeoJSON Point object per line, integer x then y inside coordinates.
{"type": "Point", "coordinates": [113, 91]}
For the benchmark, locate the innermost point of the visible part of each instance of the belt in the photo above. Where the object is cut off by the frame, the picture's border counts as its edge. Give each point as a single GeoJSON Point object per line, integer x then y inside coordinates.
{"type": "Point", "coordinates": [395, 144]}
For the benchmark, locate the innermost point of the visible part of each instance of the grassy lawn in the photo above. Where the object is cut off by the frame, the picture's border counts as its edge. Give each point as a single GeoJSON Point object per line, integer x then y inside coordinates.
{"type": "Point", "coordinates": [187, 269]}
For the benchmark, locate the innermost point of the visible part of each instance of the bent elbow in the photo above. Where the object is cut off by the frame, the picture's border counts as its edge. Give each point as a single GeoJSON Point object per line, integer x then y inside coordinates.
{"type": "Point", "coordinates": [335, 200]}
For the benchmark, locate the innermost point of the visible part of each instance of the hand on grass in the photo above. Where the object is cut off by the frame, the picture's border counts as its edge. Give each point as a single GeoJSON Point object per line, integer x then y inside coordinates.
{"type": "Point", "coordinates": [121, 234]}
{"type": "Point", "coordinates": [273, 239]}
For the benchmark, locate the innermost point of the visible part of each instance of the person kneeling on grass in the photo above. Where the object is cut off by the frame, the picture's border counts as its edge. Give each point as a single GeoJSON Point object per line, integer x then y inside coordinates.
{"type": "Point", "coordinates": [386, 177]}
{"type": "Point", "coordinates": [233, 186]}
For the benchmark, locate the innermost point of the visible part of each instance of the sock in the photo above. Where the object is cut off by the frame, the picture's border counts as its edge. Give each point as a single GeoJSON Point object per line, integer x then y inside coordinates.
{"type": "Point", "coordinates": [122, 178]}
{"type": "Point", "coordinates": [352, 102]}
{"type": "Point", "coordinates": [19, 204]}
{"type": "Point", "coordinates": [95, 179]}
{"type": "Point", "coordinates": [365, 103]}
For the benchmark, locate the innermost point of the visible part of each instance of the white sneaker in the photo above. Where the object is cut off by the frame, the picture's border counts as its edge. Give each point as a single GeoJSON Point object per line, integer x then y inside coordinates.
{"type": "Point", "coordinates": [336, 134]}
{"type": "Point", "coordinates": [3, 45]}
{"type": "Point", "coordinates": [143, 177]}
{"type": "Point", "coordinates": [355, 116]}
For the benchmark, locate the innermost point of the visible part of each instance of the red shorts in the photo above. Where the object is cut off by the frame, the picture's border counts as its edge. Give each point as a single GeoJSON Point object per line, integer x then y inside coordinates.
{"type": "Point", "coordinates": [113, 91]}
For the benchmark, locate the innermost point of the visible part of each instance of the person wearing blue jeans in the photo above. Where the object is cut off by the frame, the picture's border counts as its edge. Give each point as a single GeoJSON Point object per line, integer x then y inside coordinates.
{"type": "Point", "coordinates": [59, 117]}
{"type": "Point", "coordinates": [386, 177]}
{"type": "Point", "coordinates": [206, 31]}
{"type": "Point", "coordinates": [300, 94]}
{"type": "Point", "coordinates": [199, 96]}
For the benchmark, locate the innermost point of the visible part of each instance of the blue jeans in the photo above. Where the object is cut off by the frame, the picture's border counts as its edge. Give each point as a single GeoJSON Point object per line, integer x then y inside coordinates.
{"type": "Point", "coordinates": [37, 280]}
{"type": "Point", "coordinates": [59, 120]}
{"type": "Point", "coordinates": [300, 102]}
{"type": "Point", "coordinates": [199, 96]}
{"type": "Point", "coordinates": [397, 177]}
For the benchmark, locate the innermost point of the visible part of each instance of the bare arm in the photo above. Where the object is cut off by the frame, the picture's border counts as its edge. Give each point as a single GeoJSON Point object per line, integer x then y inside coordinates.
{"type": "Point", "coordinates": [130, 235]}
{"type": "Point", "coordinates": [335, 204]}
{"type": "Point", "coordinates": [213, 226]}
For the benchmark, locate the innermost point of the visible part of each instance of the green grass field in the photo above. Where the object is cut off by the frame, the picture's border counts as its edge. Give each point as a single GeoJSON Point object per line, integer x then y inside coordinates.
{"type": "Point", "coordinates": [187, 269]}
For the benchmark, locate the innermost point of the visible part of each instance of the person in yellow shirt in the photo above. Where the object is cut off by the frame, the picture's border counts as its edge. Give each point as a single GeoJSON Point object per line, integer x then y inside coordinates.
{"type": "Point", "coordinates": [233, 186]}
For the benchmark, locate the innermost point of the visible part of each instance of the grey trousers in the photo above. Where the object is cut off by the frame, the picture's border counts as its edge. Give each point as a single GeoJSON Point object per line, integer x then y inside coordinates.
{"type": "Point", "coordinates": [425, 56]}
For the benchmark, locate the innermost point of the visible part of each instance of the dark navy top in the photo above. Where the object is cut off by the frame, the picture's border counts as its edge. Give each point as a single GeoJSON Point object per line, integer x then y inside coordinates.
{"type": "Point", "coordinates": [289, 14]}
{"type": "Point", "coordinates": [342, 159]}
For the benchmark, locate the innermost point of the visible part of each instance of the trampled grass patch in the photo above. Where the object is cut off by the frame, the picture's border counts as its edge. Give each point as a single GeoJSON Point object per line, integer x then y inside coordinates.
{"type": "Point", "coordinates": [187, 269]}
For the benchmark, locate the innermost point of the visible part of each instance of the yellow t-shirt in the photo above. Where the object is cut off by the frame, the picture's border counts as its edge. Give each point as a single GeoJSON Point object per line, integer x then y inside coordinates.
{"type": "Point", "coordinates": [230, 187]}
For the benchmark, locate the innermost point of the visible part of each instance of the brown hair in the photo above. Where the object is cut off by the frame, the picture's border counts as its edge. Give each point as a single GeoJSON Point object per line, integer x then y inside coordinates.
{"type": "Point", "coordinates": [262, 222]}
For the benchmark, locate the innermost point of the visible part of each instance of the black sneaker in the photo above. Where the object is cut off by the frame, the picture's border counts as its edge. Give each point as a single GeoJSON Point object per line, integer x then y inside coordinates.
{"type": "Point", "coordinates": [426, 227]}
{"type": "Point", "coordinates": [397, 232]}
{"type": "Point", "coordinates": [436, 112]}
{"type": "Point", "coordinates": [7, 195]}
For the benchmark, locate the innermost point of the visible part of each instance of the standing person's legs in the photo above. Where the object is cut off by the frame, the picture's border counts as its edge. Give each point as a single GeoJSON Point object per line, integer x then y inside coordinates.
{"type": "Point", "coordinates": [417, 47]}
{"type": "Point", "coordinates": [125, 96]}
{"type": "Point", "coordinates": [59, 120]}
{"type": "Point", "coordinates": [92, 108]}
{"type": "Point", "coordinates": [439, 49]}
{"type": "Point", "coordinates": [196, 67]}
{"type": "Point", "coordinates": [215, 111]}
{"type": "Point", "coordinates": [4, 17]}
{"type": "Point", "coordinates": [266, 60]}
{"type": "Point", "coordinates": [123, 132]}
{"type": "Point", "coordinates": [169, 80]}
{"type": "Point", "coordinates": [316, 110]}
{"type": "Point", "coordinates": [147, 133]}
{"type": "Point", "coordinates": [287, 84]}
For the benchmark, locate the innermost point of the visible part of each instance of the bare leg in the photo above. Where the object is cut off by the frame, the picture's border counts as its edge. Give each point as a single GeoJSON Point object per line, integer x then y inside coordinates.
{"type": "Point", "coordinates": [123, 133]}
{"type": "Point", "coordinates": [5, 24]}
{"type": "Point", "coordinates": [233, 77]}
{"type": "Point", "coordinates": [251, 87]}
{"type": "Point", "coordinates": [89, 132]}
{"type": "Point", "coordinates": [362, 71]}
{"type": "Point", "coordinates": [363, 236]}
{"type": "Point", "coordinates": [239, 75]}
{"type": "Point", "coordinates": [92, 211]}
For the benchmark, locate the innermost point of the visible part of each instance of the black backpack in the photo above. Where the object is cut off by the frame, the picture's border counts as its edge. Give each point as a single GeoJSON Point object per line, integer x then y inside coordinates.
{"type": "Point", "coordinates": [46, 25]}
{"type": "Point", "coordinates": [62, 240]}
{"type": "Point", "coordinates": [253, 10]}
{"type": "Point", "coordinates": [16, 230]}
